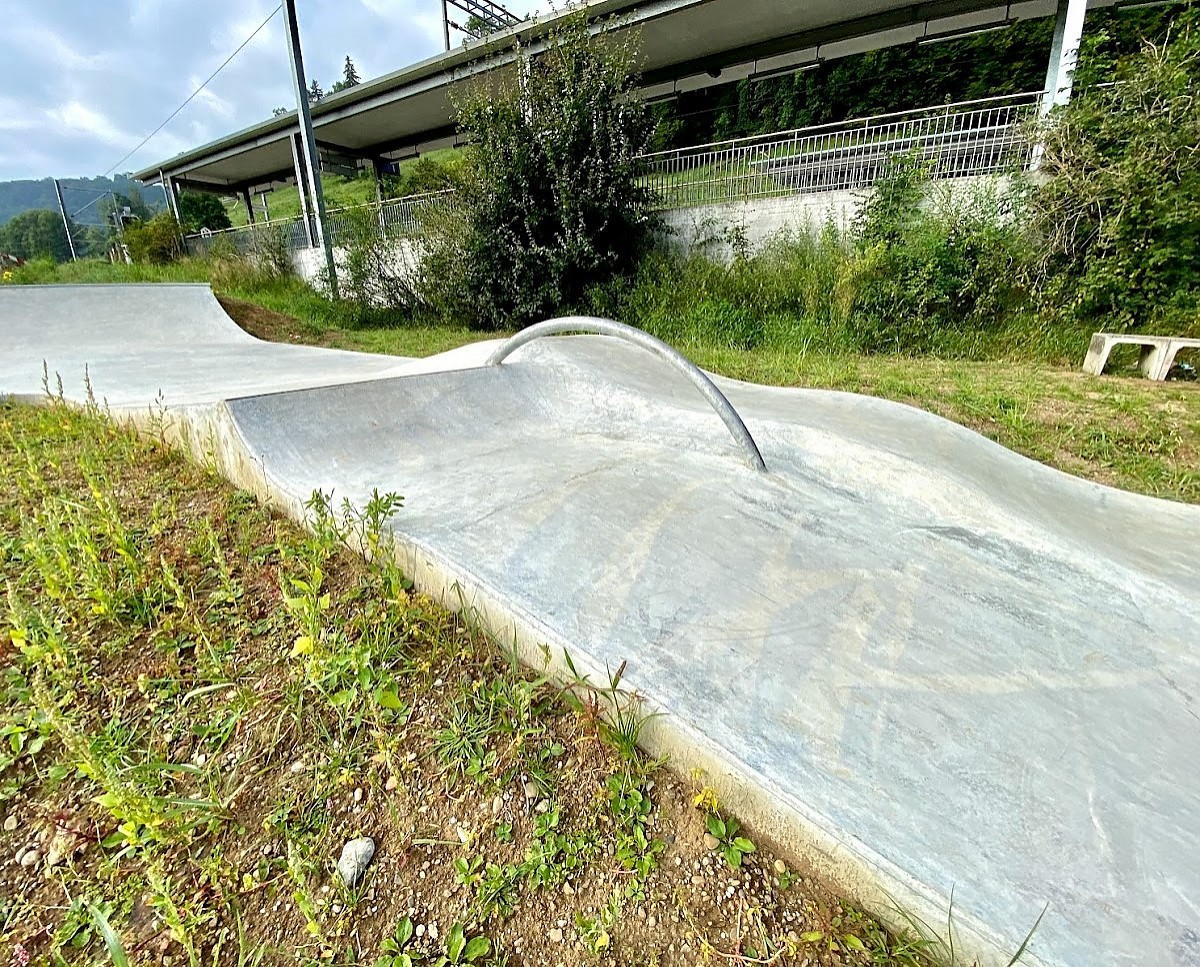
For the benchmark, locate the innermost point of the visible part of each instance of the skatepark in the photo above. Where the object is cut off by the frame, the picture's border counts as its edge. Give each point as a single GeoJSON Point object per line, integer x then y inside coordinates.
{"type": "Point", "coordinates": [931, 667]}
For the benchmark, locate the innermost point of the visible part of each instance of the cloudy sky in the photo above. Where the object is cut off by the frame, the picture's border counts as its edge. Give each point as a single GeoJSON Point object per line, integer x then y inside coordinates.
{"type": "Point", "coordinates": [83, 81]}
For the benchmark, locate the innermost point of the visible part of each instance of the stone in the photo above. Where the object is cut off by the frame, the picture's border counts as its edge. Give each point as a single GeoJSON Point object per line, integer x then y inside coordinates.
{"type": "Point", "coordinates": [556, 935]}
{"type": "Point", "coordinates": [356, 857]}
{"type": "Point", "coordinates": [497, 806]}
{"type": "Point", "coordinates": [710, 841]}
{"type": "Point", "coordinates": [29, 858]}
{"type": "Point", "coordinates": [532, 791]}
{"type": "Point", "coordinates": [780, 867]}
{"type": "Point", "coordinates": [391, 784]}
{"type": "Point", "coordinates": [10, 823]}
{"type": "Point", "coordinates": [358, 794]}
{"type": "Point", "coordinates": [296, 768]}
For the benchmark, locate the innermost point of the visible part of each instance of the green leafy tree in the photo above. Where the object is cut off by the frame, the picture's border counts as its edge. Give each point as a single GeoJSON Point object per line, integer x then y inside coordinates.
{"type": "Point", "coordinates": [198, 209]}
{"type": "Point", "coordinates": [36, 234]}
{"type": "Point", "coordinates": [551, 202]}
{"type": "Point", "coordinates": [315, 93]}
{"type": "Point", "coordinates": [1118, 211]}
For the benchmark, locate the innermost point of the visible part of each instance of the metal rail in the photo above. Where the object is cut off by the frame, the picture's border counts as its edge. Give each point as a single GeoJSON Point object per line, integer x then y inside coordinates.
{"type": "Point", "coordinates": [971, 138]}
{"type": "Point", "coordinates": [606, 327]}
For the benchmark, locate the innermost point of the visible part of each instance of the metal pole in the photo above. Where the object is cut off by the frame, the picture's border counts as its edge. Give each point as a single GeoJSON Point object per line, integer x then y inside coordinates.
{"type": "Point", "coordinates": [262, 195]}
{"type": "Point", "coordinates": [302, 191]}
{"type": "Point", "coordinates": [249, 206]}
{"type": "Point", "coordinates": [66, 221]}
{"type": "Point", "coordinates": [308, 142]}
{"type": "Point", "coordinates": [168, 188]}
{"type": "Point", "coordinates": [446, 24]}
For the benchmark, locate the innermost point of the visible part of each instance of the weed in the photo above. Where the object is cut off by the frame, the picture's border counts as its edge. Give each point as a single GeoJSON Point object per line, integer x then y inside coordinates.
{"type": "Point", "coordinates": [733, 847]}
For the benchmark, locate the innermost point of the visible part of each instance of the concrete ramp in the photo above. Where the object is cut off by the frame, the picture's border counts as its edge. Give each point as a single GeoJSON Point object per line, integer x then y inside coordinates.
{"type": "Point", "coordinates": [925, 662]}
{"type": "Point", "coordinates": [137, 340]}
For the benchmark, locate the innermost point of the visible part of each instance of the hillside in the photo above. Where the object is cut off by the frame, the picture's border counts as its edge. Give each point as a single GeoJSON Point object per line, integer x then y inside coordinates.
{"type": "Point", "coordinates": [22, 196]}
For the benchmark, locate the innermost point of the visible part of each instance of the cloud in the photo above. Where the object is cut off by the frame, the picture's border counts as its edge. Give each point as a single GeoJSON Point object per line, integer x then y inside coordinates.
{"type": "Point", "coordinates": [83, 82]}
{"type": "Point", "coordinates": [91, 123]}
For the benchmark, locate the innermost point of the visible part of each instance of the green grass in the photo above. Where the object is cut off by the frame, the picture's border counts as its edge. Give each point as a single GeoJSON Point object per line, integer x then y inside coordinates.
{"type": "Point", "coordinates": [1028, 396]}
{"type": "Point", "coordinates": [284, 202]}
{"type": "Point", "coordinates": [201, 703]}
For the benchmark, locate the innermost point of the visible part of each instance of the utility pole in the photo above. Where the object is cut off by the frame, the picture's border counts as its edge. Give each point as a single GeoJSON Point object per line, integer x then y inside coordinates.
{"type": "Point", "coordinates": [446, 24]}
{"type": "Point", "coordinates": [308, 144]}
{"type": "Point", "coordinates": [66, 221]}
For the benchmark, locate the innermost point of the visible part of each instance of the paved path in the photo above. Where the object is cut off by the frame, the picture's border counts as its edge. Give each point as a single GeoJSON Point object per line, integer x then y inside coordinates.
{"type": "Point", "coordinates": [927, 662]}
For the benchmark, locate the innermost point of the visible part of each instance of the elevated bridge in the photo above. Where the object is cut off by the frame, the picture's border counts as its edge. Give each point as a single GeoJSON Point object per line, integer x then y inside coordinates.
{"type": "Point", "coordinates": [686, 45]}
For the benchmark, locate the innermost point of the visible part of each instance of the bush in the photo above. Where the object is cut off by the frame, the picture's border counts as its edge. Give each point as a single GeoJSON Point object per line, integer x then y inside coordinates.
{"type": "Point", "coordinates": [936, 265]}
{"type": "Point", "coordinates": [1118, 215]}
{"type": "Point", "coordinates": [155, 242]}
{"type": "Point", "coordinates": [551, 203]}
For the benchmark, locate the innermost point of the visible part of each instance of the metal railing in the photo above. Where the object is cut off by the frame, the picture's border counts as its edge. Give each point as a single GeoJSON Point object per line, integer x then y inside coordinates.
{"type": "Point", "coordinates": [953, 140]}
{"type": "Point", "coordinates": [960, 140]}
{"type": "Point", "coordinates": [395, 218]}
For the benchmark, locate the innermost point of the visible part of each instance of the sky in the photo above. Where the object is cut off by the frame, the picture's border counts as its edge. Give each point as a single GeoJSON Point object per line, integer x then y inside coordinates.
{"type": "Point", "coordinates": [83, 81]}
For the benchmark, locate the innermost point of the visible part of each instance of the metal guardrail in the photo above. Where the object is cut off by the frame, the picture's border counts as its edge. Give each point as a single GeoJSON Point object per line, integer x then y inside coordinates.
{"type": "Point", "coordinates": [960, 140]}
{"type": "Point", "coordinates": [954, 140]}
{"type": "Point", "coordinates": [396, 218]}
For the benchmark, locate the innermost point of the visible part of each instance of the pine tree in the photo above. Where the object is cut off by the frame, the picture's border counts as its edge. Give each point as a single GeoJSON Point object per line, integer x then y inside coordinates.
{"type": "Point", "coordinates": [314, 92]}
{"type": "Point", "coordinates": [350, 76]}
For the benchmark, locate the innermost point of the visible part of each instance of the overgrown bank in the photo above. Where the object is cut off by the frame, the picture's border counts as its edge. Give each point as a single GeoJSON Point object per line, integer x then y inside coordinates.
{"type": "Point", "coordinates": [203, 704]}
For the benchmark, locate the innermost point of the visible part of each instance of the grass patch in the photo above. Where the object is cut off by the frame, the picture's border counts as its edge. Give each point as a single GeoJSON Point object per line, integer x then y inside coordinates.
{"type": "Point", "coordinates": [1029, 396]}
{"type": "Point", "coordinates": [203, 703]}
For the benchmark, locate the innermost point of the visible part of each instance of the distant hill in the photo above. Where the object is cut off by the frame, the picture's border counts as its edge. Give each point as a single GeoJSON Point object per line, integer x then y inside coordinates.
{"type": "Point", "coordinates": [21, 196]}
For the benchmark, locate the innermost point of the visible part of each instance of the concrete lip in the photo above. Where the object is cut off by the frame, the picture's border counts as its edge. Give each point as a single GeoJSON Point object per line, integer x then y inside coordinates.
{"type": "Point", "coordinates": [925, 662]}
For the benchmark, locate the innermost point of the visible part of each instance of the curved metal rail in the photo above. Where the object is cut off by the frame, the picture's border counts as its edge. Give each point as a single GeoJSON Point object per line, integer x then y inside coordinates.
{"type": "Point", "coordinates": [606, 327]}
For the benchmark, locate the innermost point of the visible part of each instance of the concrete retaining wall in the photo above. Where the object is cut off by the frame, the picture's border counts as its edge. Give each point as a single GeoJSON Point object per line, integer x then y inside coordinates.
{"type": "Point", "coordinates": [726, 229]}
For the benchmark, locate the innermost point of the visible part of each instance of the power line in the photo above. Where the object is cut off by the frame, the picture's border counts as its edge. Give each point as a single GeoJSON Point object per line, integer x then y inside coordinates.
{"type": "Point", "coordinates": [191, 96]}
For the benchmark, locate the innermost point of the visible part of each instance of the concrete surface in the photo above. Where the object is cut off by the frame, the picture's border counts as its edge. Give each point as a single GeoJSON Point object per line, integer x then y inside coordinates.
{"type": "Point", "coordinates": [923, 661]}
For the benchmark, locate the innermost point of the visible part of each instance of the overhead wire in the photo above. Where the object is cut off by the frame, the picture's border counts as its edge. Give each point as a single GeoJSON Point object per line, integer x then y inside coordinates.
{"type": "Point", "coordinates": [192, 96]}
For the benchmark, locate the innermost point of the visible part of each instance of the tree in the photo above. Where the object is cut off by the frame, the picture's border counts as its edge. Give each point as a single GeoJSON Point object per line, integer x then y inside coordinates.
{"type": "Point", "coordinates": [552, 201]}
{"type": "Point", "coordinates": [1118, 213]}
{"type": "Point", "coordinates": [198, 209]}
{"type": "Point", "coordinates": [36, 234]}
{"type": "Point", "coordinates": [278, 111]}
{"type": "Point", "coordinates": [314, 92]}
{"type": "Point", "coordinates": [350, 77]}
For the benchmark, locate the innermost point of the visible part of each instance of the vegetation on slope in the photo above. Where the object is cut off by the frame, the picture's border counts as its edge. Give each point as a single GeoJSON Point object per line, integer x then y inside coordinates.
{"type": "Point", "coordinates": [203, 704]}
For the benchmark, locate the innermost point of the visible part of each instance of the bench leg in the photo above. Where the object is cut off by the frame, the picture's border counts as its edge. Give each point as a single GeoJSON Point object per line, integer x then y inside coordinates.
{"type": "Point", "coordinates": [1150, 363]}
{"type": "Point", "coordinates": [1168, 359]}
{"type": "Point", "coordinates": [1097, 355]}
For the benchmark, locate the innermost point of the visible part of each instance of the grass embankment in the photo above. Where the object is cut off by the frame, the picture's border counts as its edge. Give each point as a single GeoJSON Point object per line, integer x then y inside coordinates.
{"type": "Point", "coordinates": [1029, 396]}
{"type": "Point", "coordinates": [203, 703]}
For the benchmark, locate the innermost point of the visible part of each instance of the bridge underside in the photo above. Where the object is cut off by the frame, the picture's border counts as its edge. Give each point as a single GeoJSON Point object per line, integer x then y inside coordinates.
{"type": "Point", "coordinates": [686, 45]}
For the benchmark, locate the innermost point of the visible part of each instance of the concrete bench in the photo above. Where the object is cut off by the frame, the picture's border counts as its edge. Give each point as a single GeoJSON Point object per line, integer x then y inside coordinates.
{"type": "Point", "coordinates": [1158, 352]}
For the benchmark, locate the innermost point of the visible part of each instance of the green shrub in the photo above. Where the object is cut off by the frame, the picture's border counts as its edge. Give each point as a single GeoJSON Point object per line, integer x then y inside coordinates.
{"type": "Point", "coordinates": [550, 203]}
{"type": "Point", "coordinates": [1118, 213]}
{"type": "Point", "coordinates": [154, 242]}
{"type": "Point", "coordinates": [936, 265]}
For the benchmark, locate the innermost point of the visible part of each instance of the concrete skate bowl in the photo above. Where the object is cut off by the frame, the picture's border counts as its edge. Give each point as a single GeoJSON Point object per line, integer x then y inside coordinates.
{"type": "Point", "coordinates": [955, 668]}
{"type": "Point", "coordinates": [923, 661]}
